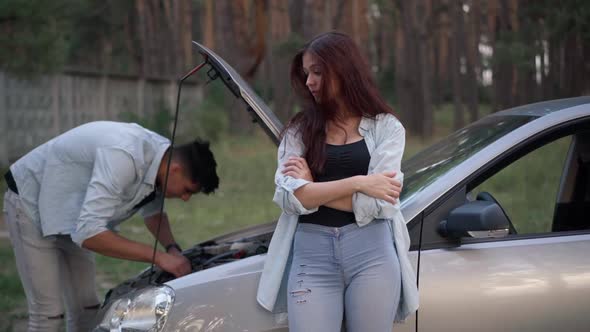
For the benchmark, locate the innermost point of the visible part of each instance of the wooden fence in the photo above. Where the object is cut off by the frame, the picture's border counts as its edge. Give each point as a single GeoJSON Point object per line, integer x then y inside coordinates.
{"type": "Point", "coordinates": [33, 111]}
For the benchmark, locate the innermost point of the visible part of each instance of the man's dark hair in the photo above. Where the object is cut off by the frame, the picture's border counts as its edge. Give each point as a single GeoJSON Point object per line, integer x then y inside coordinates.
{"type": "Point", "coordinates": [199, 163]}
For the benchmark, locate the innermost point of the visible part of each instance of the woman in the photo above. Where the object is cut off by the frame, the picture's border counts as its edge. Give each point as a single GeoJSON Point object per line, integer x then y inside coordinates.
{"type": "Point", "coordinates": [341, 243]}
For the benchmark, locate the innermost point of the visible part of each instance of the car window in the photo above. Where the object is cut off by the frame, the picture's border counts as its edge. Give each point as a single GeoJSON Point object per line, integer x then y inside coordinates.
{"type": "Point", "coordinates": [527, 189]}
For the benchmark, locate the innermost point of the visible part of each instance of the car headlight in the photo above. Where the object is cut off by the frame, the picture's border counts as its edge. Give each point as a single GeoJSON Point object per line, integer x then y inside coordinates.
{"type": "Point", "coordinates": [145, 310]}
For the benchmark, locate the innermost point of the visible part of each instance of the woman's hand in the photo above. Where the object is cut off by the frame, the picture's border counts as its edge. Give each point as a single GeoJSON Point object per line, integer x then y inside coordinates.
{"type": "Point", "coordinates": [381, 186]}
{"type": "Point", "coordinates": [297, 168]}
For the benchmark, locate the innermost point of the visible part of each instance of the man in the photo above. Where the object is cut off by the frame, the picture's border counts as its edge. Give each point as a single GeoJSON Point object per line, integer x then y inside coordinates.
{"type": "Point", "coordinates": [65, 198]}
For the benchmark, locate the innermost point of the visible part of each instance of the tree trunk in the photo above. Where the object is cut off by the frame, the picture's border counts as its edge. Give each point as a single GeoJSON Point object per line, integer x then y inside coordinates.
{"type": "Point", "coordinates": [504, 72]}
{"type": "Point", "coordinates": [405, 67]}
{"type": "Point", "coordinates": [442, 53]}
{"type": "Point", "coordinates": [553, 83]}
{"type": "Point", "coordinates": [209, 24]}
{"type": "Point", "coordinates": [384, 36]}
{"type": "Point", "coordinates": [311, 15]}
{"type": "Point", "coordinates": [436, 75]}
{"type": "Point", "coordinates": [424, 15]}
{"type": "Point", "coordinates": [413, 76]}
{"type": "Point", "coordinates": [296, 13]}
{"type": "Point", "coordinates": [171, 29]}
{"type": "Point", "coordinates": [164, 31]}
{"type": "Point", "coordinates": [185, 13]}
{"type": "Point", "coordinates": [492, 14]}
{"type": "Point", "coordinates": [243, 23]}
{"type": "Point", "coordinates": [458, 51]}
{"type": "Point", "coordinates": [280, 59]}
{"type": "Point", "coordinates": [472, 52]}
{"type": "Point", "coordinates": [142, 36]}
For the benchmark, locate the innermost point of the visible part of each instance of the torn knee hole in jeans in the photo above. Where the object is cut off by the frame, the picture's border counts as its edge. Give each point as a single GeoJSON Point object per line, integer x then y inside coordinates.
{"type": "Point", "coordinates": [301, 274]}
{"type": "Point", "coordinates": [300, 292]}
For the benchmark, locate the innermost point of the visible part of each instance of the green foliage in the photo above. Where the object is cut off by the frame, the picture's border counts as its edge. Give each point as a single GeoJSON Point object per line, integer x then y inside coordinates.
{"type": "Point", "coordinates": [386, 83]}
{"type": "Point", "coordinates": [565, 17]}
{"type": "Point", "coordinates": [41, 36]}
{"type": "Point", "coordinates": [35, 35]}
{"type": "Point", "coordinates": [159, 122]}
{"type": "Point", "coordinates": [209, 122]}
{"type": "Point", "coordinates": [209, 119]}
{"type": "Point", "coordinates": [284, 50]}
{"type": "Point", "coordinates": [513, 48]}
{"type": "Point", "coordinates": [101, 38]}
{"type": "Point", "coordinates": [290, 46]}
{"type": "Point", "coordinates": [12, 297]}
{"type": "Point", "coordinates": [542, 20]}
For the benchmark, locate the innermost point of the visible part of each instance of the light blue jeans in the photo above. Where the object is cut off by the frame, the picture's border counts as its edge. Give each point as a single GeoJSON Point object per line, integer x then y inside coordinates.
{"type": "Point", "coordinates": [56, 274]}
{"type": "Point", "coordinates": [349, 273]}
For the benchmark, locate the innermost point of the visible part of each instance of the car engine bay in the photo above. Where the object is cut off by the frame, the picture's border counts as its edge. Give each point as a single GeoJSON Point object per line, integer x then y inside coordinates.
{"type": "Point", "coordinates": [202, 256]}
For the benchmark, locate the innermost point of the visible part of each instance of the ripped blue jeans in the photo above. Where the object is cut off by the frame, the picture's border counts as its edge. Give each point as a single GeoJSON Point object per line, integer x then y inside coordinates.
{"type": "Point", "coordinates": [349, 274]}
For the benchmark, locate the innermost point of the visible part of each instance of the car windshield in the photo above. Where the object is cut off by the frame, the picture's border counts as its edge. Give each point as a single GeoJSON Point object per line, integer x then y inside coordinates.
{"type": "Point", "coordinates": [428, 165]}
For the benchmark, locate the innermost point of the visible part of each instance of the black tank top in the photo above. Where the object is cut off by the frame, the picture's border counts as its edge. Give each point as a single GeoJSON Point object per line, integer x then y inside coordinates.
{"type": "Point", "coordinates": [343, 161]}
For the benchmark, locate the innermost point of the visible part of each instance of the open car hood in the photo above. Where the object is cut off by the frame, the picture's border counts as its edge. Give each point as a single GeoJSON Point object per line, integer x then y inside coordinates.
{"type": "Point", "coordinates": [255, 106]}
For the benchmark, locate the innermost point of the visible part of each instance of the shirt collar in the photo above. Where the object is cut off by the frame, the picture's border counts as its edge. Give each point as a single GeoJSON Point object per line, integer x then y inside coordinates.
{"type": "Point", "coordinates": [152, 172]}
{"type": "Point", "coordinates": [364, 125]}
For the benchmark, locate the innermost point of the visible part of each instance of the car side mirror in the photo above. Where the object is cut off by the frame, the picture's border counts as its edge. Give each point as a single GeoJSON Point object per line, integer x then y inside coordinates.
{"type": "Point", "coordinates": [477, 219]}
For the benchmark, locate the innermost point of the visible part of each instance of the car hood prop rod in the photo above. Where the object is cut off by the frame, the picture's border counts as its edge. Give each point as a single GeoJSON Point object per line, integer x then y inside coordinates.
{"type": "Point", "coordinates": [189, 74]}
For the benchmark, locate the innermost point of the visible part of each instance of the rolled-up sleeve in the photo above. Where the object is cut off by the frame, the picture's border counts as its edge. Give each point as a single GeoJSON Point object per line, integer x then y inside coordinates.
{"type": "Point", "coordinates": [284, 197]}
{"type": "Point", "coordinates": [390, 140]}
{"type": "Point", "coordinates": [114, 170]}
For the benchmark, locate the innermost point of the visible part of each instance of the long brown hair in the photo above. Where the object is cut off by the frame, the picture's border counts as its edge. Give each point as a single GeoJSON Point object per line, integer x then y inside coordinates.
{"type": "Point", "coordinates": [343, 69]}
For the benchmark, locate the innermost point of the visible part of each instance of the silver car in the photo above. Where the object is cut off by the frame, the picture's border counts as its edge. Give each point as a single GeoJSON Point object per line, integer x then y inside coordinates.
{"type": "Point", "coordinates": [498, 214]}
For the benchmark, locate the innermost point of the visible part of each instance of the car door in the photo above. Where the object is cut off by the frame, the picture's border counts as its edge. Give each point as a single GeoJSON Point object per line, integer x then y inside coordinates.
{"type": "Point", "coordinates": [536, 279]}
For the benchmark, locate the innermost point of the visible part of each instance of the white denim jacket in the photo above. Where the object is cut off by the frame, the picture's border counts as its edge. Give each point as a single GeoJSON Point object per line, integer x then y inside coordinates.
{"type": "Point", "coordinates": [385, 139]}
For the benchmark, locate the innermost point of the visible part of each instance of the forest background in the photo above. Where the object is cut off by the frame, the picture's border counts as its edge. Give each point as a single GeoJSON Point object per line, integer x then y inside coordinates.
{"type": "Point", "coordinates": [424, 53]}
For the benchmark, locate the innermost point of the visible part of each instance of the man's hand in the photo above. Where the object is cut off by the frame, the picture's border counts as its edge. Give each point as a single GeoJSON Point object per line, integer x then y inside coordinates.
{"type": "Point", "coordinates": [110, 244]}
{"type": "Point", "coordinates": [176, 264]}
{"type": "Point", "coordinates": [175, 252]}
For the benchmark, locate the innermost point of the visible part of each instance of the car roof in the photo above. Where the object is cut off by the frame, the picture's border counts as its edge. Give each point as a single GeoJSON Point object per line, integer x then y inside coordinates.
{"type": "Point", "coordinates": [546, 107]}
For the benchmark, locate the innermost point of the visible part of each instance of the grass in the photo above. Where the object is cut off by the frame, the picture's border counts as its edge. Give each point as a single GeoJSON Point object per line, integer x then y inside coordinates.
{"type": "Point", "coordinates": [12, 297]}
{"type": "Point", "coordinates": [246, 167]}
